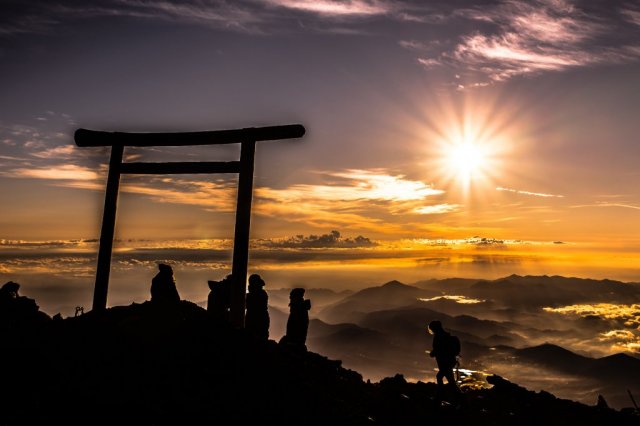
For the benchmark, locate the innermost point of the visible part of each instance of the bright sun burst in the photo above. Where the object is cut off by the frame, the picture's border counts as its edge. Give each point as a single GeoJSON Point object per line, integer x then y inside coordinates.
{"type": "Point", "coordinates": [467, 160]}
{"type": "Point", "coordinates": [468, 145]}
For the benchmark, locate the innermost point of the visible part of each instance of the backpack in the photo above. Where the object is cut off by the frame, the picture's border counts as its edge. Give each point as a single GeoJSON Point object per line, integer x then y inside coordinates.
{"type": "Point", "coordinates": [453, 345]}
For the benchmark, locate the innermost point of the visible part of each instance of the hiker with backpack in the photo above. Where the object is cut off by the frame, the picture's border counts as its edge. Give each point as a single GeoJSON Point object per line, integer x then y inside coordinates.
{"type": "Point", "coordinates": [445, 350]}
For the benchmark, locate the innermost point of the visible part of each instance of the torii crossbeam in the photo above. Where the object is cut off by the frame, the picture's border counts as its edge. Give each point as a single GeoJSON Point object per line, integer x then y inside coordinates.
{"type": "Point", "coordinates": [244, 167]}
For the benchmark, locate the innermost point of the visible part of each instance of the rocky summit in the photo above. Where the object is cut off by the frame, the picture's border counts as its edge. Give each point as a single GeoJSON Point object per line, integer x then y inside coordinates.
{"type": "Point", "coordinates": [144, 364]}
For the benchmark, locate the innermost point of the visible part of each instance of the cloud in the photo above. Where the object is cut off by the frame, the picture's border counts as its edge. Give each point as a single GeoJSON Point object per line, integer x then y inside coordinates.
{"type": "Point", "coordinates": [622, 340]}
{"type": "Point", "coordinates": [247, 16]}
{"type": "Point", "coordinates": [518, 38]}
{"type": "Point", "coordinates": [365, 199]}
{"type": "Point", "coordinates": [63, 151]}
{"type": "Point", "coordinates": [463, 300]}
{"type": "Point", "coordinates": [609, 204]}
{"type": "Point", "coordinates": [43, 17]}
{"type": "Point", "coordinates": [61, 172]}
{"type": "Point", "coordinates": [335, 7]}
{"type": "Point", "coordinates": [632, 15]}
{"type": "Point", "coordinates": [375, 184]}
{"type": "Point", "coordinates": [627, 315]}
{"type": "Point", "coordinates": [535, 194]}
{"type": "Point", "coordinates": [437, 209]}
{"type": "Point", "coordinates": [429, 62]}
{"type": "Point", "coordinates": [359, 199]}
{"type": "Point", "coordinates": [330, 240]}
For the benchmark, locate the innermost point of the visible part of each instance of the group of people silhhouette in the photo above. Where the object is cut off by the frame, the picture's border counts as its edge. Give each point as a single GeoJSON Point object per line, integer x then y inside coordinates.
{"type": "Point", "coordinates": [16, 310]}
{"type": "Point", "coordinates": [257, 319]}
{"type": "Point", "coordinates": [165, 294]}
{"type": "Point", "coordinates": [446, 347]}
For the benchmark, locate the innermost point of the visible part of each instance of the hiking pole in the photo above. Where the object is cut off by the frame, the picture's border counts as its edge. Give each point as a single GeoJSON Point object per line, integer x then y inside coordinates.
{"type": "Point", "coordinates": [633, 400]}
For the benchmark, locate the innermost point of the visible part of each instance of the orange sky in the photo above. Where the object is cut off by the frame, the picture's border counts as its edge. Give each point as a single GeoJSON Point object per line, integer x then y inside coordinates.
{"type": "Point", "coordinates": [446, 122]}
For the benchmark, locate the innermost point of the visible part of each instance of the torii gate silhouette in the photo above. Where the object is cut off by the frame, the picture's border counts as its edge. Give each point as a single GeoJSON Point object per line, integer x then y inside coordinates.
{"type": "Point", "coordinates": [118, 141]}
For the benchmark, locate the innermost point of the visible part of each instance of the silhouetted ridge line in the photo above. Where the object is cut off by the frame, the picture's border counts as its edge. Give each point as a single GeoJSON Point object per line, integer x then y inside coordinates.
{"type": "Point", "coordinates": [169, 364]}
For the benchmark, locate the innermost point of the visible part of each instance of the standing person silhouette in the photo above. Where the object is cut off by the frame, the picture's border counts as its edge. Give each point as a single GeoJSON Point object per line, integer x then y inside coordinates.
{"type": "Point", "coordinates": [257, 318]}
{"type": "Point", "coordinates": [219, 300]}
{"type": "Point", "coordinates": [298, 322]}
{"type": "Point", "coordinates": [445, 350]}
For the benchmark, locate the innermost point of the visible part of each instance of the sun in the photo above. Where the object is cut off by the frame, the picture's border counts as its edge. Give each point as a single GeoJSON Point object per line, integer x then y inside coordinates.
{"type": "Point", "coordinates": [467, 159]}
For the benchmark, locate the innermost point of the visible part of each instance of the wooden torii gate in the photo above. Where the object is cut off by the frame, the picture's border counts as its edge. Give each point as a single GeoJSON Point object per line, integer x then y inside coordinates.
{"type": "Point", "coordinates": [244, 167]}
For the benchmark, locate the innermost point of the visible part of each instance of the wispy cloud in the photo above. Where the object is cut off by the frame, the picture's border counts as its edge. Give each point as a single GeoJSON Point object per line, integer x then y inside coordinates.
{"type": "Point", "coordinates": [609, 204]}
{"type": "Point", "coordinates": [631, 14]}
{"type": "Point", "coordinates": [357, 185]}
{"type": "Point", "coordinates": [534, 194]}
{"type": "Point", "coordinates": [335, 7]}
{"type": "Point", "coordinates": [63, 151]}
{"type": "Point", "coordinates": [367, 199]}
{"type": "Point", "coordinates": [524, 38]}
{"type": "Point", "coordinates": [62, 172]}
{"type": "Point", "coordinates": [247, 16]}
{"type": "Point", "coordinates": [437, 209]}
{"type": "Point", "coordinates": [244, 16]}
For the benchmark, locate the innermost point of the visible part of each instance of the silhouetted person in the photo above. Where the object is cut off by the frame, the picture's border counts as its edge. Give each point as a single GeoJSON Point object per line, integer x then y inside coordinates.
{"type": "Point", "coordinates": [298, 322]}
{"type": "Point", "coordinates": [163, 287]}
{"type": "Point", "coordinates": [219, 301]}
{"type": "Point", "coordinates": [16, 310]}
{"type": "Point", "coordinates": [445, 350]}
{"type": "Point", "coordinates": [8, 303]}
{"type": "Point", "coordinates": [257, 318]}
{"type": "Point", "coordinates": [8, 294]}
{"type": "Point", "coordinates": [602, 403]}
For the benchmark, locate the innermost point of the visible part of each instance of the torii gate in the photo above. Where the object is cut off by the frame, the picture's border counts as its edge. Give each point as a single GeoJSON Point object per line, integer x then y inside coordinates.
{"type": "Point", "coordinates": [246, 137]}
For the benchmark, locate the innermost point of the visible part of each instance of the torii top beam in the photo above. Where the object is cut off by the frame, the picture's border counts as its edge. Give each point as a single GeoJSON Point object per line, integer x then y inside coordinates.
{"type": "Point", "coordinates": [87, 138]}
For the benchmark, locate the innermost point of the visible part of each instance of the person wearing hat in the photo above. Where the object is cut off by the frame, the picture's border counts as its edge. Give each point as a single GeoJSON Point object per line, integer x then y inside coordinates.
{"type": "Point", "coordinates": [257, 320]}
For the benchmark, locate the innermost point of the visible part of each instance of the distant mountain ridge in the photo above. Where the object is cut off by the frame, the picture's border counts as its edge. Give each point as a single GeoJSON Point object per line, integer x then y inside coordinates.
{"type": "Point", "coordinates": [503, 324]}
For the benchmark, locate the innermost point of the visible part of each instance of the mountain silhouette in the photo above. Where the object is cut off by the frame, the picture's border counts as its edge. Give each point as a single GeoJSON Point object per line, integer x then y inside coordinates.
{"type": "Point", "coordinates": [389, 295]}
{"type": "Point", "coordinates": [617, 367]}
{"type": "Point", "coordinates": [384, 334]}
{"type": "Point", "coordinates": [144, 365]}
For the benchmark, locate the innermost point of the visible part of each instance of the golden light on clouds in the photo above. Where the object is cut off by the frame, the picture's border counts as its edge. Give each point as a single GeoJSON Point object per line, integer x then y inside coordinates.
{"type": "Point", "coordinates": [630, 314]}
{"type": "Point", "coordinates": [626, 319]}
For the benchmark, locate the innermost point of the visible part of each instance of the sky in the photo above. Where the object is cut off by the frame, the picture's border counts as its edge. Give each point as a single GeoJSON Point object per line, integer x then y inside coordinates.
{"type": "Point", "coordinates": [467, 138]}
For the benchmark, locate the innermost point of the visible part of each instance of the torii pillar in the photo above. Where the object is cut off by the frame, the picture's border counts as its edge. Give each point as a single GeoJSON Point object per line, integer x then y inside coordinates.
{"type": "Point", "coordinates": [244, 167]}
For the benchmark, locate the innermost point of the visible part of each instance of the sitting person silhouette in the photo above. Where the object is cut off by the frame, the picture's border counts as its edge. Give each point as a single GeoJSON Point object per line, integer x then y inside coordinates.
{"type": "Point", "coordinates": [16, 310]}
{"type": "Point", "coordinates": [256, 321]}
{"type": "Point", "coordinates": [446, 348]}
{"type": "Point", "coordinates": [219, 300]}
{"type": "Point", "coordinates": [8, 293]}
{"type": "Point", "coordinates": [163, 287]}
{"type": "Point", "coordinates": [298, 322]}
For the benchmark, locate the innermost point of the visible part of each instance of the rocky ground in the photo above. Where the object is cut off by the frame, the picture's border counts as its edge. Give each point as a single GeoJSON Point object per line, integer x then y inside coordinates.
{"type": "Point", "coordinates": [144, 365]}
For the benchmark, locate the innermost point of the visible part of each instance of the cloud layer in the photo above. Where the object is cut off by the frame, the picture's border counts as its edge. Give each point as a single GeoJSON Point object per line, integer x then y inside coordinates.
{"type": "Point", "coordinates": [484, 42]}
